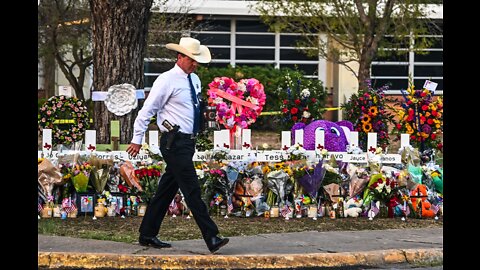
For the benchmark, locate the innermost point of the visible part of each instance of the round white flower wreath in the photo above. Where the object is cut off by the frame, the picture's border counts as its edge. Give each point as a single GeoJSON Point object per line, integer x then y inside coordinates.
{"type": "Point", "coordinates": [121, 99]}
{"type": "Point", "coordinates": [72, 115]}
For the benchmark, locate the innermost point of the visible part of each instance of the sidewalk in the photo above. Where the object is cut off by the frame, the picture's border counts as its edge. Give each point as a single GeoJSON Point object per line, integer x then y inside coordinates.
{"type": "Point", "coordinates": [282, 250]}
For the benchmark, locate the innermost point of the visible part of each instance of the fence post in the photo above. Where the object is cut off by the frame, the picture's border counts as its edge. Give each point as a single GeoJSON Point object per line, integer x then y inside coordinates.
{"type": "Point", "coordinates": [246, 138]}
{"type": "Point", "coordinates": [319, 138]}
{"type": "Point", "coordinates": [299, 136]}
{"type": "Point", "coordinates": [153, 139]}
{"type": "Point", "coordinates": [354, 138]}
{"type": "Point", "coordinates": [404, 140]}
{"type": "Point", "coordinates": [286, 139]}
{"type": "Point", "coordinates": [90, 140]}
{"type": "Point", "coordinates": [47, 146]}
{"type": "Point", "coordinates": [372, 140]}
{"type": "Point", "coordinates": [221, 137]}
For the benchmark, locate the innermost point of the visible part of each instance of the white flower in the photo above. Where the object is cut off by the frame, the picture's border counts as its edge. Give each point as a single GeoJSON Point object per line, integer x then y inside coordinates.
{"type": "Point", "coordinates": [306, 114]}
{"type": "Point", "coordinates": [218, 100]}
{"type": "Point", "coordinates": [121, 99]}
{"type": "Point", "coordinates": [305, 93]}
{"type": "Point", "coordinates": [380, 186]}
{"type": "Point", "coordinates": [353, 149]}
{"type": "Point", "coordinates": [200, 173]}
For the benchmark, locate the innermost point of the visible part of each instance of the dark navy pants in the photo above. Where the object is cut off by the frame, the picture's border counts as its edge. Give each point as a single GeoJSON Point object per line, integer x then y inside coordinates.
{"type": "Point", "coordinates": [180, 173]}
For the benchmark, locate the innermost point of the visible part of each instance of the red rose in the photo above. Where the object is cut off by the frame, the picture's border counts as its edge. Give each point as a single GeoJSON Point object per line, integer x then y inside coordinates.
{"type": "Point", "coordinates": [285, 101]}
{"type": "Point", "coordinates": [439, 146]}
{"type": "Point", "coordinates": [294, 118]}
{"type": "Point", "coordinates": [284, 110]}
{"type": "Point", "coordinates": [294, 110]}
{"type": "Point", "coordinates": [297, 101]}
{"type": "Point", "coordinates": [433, 136]}
{"type": "Point", "coordinates": [314, 100]}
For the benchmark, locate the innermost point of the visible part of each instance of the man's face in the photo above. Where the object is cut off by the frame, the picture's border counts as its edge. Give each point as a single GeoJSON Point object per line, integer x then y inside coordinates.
{"type": "Point", "coordinates": [187, 64]}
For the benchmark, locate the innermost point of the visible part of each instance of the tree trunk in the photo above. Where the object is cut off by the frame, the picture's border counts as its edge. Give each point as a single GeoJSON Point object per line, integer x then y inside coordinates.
{"type": "Point", "coordinates": [363, 74]}
{"type": "Point", "coordinates": [365, 62]}
{"type": "Point", "coordinates": [119, 31]}
{"type": "Point", "coordinates": [49, 75]}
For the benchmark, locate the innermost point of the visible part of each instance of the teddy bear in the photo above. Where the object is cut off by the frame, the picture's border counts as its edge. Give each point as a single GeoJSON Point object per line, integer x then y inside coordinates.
{"type": "Point", "coordinates": [421, 190]}
{"type": "Point", "coordinates": [353, 207]}
{"type": "Point", "coordinates": [337, 134]}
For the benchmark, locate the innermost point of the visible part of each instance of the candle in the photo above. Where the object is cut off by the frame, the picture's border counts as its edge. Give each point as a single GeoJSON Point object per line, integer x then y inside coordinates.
{"type": "Point", "coordinates": [274, 211]}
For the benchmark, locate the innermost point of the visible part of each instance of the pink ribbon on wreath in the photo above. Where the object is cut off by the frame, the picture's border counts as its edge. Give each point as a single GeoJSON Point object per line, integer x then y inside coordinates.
{"type": "Point", "coordinates": [237, 105]}
{"type": "Point", "coordinates": [237, 102]}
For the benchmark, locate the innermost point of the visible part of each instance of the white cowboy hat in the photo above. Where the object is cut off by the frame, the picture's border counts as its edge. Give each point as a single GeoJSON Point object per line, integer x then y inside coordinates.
{"type": "Point", "coordinates": [191, 47]}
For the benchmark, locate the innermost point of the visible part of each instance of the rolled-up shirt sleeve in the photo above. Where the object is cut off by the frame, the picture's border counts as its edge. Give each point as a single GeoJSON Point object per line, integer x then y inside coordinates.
{"type": "Point", "coordinates": [158, 96]}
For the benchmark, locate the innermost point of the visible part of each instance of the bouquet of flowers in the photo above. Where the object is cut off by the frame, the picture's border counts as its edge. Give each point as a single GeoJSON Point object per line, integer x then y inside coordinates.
{"type": "Point", "coordinates": [312, 178]}
{"type": "Point", "coordinates": [380, 188]}
{"type": "Point", "coordinates": [148, 178]}
{"type": "Point", "coordinates": [296, 152]}
{"type": "Point", "coordinates": [421, 116]}
{"type": "Point", "coordinates": [213, 181]}
{"type": "Point", "coordinates": [80, 175]}
{"type": "Point", "coordinates": [367, 111]}
{"type": "Point", "coordinates": [302, 100]}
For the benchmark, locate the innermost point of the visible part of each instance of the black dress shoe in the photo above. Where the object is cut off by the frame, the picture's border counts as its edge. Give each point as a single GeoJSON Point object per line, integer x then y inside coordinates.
{"type": "Point", "coordinates": [152, 241]}
{"type": "Point", "coordinates": [216, 243]}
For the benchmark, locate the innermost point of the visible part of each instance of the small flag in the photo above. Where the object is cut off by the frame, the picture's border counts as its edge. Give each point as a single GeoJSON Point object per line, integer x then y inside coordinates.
{"type": "Point", "coordinates": [40, 207]}
{"type": "Point", "coordinates": [374, 208]}
{"type": "Point", "coordinates": [285, 211]}
{"type": "Point", "coordinates": [172, 208]}
{"type": "Point", "coordinates": [70, 209]}
{"type": "Point", "coordinates": [229, 205]}
{"type": "Point", "coordinates": [434, 208]}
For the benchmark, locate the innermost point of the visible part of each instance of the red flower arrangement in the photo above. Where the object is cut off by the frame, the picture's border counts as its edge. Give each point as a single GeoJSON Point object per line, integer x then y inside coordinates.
{"type": "Point", "coordinates": [421, 116]}
{"type": "Point", "coordinates": [302, 101]}
{"type": "Point", "coordinates": [148, 177]}
{"type": "Point", "coordinates": [367, 111]}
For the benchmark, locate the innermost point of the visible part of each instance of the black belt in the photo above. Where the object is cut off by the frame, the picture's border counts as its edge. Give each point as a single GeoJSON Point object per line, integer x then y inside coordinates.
{"type": "Point", "coordinates": [186, 136]}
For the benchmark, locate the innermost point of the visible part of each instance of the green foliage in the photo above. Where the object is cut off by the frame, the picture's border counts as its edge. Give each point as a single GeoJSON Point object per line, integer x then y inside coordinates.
{"type": "Point", "coordinates": [41, 101]}
{"type": "Point", "coordinates": [276, 83]}
{"type": "Point", "coordinates": [350, 37]}
{"type": "Point", "coordinates": [302, 100]}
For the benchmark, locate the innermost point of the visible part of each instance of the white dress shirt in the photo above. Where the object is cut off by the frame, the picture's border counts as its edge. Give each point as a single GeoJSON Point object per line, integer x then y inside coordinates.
{"type": "Point", "coordinates": [170, 99]}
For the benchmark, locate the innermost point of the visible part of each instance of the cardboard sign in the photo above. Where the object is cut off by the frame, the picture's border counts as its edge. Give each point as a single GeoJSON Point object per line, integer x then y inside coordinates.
{"type": "Point", "coordinates": [65, 90]}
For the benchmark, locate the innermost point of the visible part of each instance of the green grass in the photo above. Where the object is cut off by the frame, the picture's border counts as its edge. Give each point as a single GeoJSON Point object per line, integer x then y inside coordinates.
{"type": "Point", "coordinates": [180, 228]}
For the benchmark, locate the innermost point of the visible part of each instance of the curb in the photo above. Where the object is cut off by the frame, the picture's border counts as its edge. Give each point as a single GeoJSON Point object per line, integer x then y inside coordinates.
{"type": "Point", "coordinates": [52, 260]}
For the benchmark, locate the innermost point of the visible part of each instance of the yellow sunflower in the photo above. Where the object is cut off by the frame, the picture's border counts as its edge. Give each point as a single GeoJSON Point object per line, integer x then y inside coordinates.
{"type": "Point", "coordinates": [367, 127]}
{"type": "Point", "coordinates": [373, 110]}
{"type": "Point", "coordinates": [288, 170]}
{"type": "Point", "coordinates": [366, 119]}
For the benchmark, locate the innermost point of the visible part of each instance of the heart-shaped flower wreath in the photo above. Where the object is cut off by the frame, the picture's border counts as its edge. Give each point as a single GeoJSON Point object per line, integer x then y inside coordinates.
{"type": "Point", "coordinates": [238, 104]}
